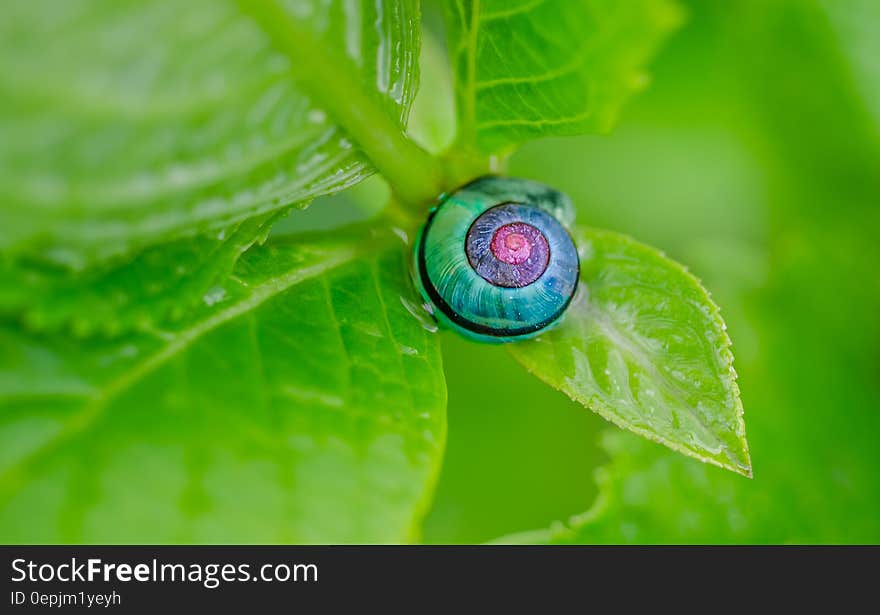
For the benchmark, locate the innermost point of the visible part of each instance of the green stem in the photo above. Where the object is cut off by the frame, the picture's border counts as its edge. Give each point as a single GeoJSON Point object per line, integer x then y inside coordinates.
{"type": "Point", "coordinates": [401, 217]}
{"type": "Point", "coordinates": [468, 127]}
{"type": "Point", "coordinates": [463, 162]}
{"type": "Point", "coordinates": [414, 175]}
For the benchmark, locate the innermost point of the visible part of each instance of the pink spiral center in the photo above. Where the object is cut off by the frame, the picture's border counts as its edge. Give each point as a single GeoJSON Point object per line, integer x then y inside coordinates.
{"type": "Point", "coordinates": [513, 243]}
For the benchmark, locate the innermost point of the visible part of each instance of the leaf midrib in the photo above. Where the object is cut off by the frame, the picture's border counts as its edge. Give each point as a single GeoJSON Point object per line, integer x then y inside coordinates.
{"type": "Point", "coordinates": [627, 344]}
{"type": "Point", "coordinates": [99, 400]}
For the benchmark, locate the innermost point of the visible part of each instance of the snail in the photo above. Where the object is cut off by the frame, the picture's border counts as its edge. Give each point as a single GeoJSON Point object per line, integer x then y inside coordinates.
{"type": "Point", "coordinates": [494, 260]}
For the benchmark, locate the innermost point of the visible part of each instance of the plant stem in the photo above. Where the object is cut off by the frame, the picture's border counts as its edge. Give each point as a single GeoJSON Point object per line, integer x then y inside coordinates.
{"type": "Point", "coordinates": [463, 162]}
{"type": "Point", "coordinates": [402, 218]}
{"type": "Point", "coordinates": [414, 175]}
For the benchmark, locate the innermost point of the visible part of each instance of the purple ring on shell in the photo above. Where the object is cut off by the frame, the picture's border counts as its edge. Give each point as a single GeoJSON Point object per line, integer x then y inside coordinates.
{"type": "Point", "coordinates": [505, 253]}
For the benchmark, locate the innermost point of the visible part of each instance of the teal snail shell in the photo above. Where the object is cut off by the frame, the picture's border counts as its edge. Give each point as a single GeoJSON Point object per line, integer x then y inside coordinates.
{"type": "Point", "coordinates": [495, 261]}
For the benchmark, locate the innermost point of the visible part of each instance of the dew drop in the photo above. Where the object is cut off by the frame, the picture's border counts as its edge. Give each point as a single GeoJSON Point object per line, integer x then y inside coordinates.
{"type": "Point", "coordinates": [214, 295]}
{"type": "Point", "coordinates": [316, 116]}
{"type": "Point", "coordinates": [422, 313]}
{"type": "Point", "coordinates": [402, 234]}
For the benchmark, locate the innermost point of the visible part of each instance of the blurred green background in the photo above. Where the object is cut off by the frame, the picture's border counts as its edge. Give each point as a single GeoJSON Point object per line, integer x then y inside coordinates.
{"type": "Point", "coordinates": [754, 158]}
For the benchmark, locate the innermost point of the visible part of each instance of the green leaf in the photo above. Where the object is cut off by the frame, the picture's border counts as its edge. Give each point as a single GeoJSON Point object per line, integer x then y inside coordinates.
{"type": "Point", "coordinates": [127, 123]}
{"type": "Point", "coordinates": [535, 68]}
{"type": "Point", "coordinates": [305, 405]}
{"type": "Point", "coordinates": [644, 347]}
{"type": "Point", "coordinates": [163, 282]}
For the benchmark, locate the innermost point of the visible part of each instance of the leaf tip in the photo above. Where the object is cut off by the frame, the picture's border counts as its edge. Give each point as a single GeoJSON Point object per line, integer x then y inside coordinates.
{"type": "Point", "coordinates": [745, 469]}
{"type": "Point", "coordinates": [738, 461]}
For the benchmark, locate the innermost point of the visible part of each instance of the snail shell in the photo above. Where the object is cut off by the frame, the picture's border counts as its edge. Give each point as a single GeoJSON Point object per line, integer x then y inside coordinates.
{"type": "Point", "coordinates": [495, 262]}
